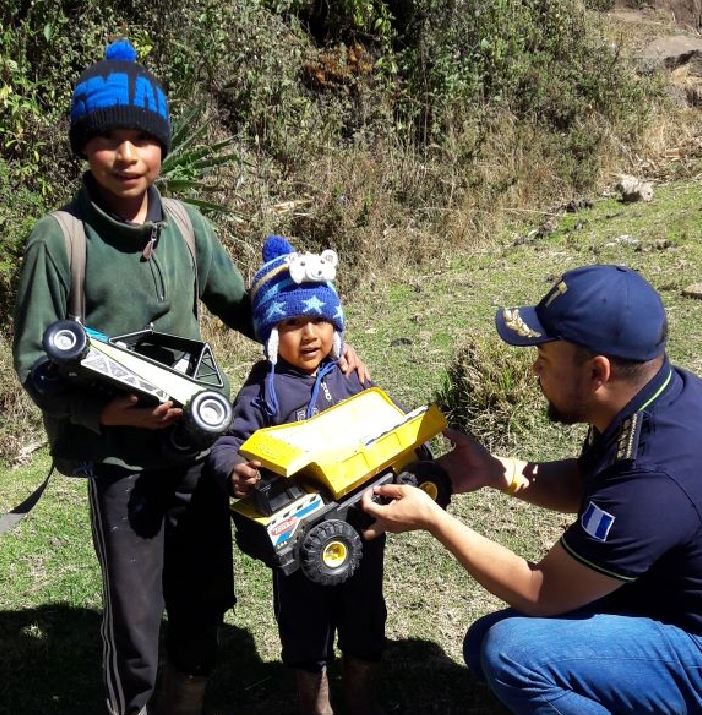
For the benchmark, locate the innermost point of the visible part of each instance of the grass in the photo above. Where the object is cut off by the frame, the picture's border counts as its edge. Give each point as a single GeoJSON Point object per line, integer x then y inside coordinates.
{"type": "Point", "coordinates": [409, 333]}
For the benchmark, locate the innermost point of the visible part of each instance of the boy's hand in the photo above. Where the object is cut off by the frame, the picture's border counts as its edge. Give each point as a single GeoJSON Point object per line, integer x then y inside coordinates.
{"type": "Point", "coordinates": [123, 412]}
{"type": "Point", "coordinates": [350, 361]}
{"type": "Point", "coordinates": [243, 478]}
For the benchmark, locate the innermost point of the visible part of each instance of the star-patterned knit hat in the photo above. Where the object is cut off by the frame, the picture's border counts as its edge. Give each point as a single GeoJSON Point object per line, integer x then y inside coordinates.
{"type": "Point", "coordinates": [292, 285]}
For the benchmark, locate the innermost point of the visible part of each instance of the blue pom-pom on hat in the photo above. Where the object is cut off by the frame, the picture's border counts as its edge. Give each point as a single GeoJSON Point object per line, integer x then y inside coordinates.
{"type": "Point", "coordinates": [275, 246]}
{"type": "Point", "coordinates": [121, 49]}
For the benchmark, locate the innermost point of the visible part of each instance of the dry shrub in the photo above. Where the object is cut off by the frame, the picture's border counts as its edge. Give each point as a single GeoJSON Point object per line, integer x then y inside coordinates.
{"type": "Point", "coordinates": [373, 205]}
{"type": "Point", "coordinates": [234, 353]}
{"type": "Point", "coordinates": [20, 421]}
{"type": "Point", "coordinates": [491, 392]}
{"type": "Point", "coordinates": [671, 145]}
{"type": "Point", "coordinates": [522, 166]}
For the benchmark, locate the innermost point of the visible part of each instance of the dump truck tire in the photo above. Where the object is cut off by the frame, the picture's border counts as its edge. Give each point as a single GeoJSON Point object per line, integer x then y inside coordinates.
{"type": "Point", "coordinates": [330, 552]}
{"type": "Point", "coordinates": [430, 478]}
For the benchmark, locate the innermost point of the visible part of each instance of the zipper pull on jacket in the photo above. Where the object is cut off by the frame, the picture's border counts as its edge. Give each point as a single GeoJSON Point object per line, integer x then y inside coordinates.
{"type": "Point", "coordinates": [150, 246]}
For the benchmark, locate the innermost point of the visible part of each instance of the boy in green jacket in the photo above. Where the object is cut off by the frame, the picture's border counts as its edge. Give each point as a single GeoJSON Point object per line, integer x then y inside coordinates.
{"type": "Point", "coordinates": [160, 530]}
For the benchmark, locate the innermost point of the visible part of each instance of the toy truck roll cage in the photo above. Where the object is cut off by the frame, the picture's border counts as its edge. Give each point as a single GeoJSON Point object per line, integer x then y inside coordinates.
{"type": "Point", "coordinates": [304, 513]}
{"type": "Point", "coordinates": [156, 367]}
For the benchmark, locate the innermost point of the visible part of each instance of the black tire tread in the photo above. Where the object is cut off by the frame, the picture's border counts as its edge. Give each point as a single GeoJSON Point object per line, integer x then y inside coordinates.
{"type": "Point", "coordinates": [428, 471]}
{"type": "Point", "coordinates": [313, 545]}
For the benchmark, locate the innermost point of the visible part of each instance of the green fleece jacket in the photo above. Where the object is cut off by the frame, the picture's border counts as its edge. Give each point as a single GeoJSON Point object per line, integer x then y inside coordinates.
{"type": "Point", "coordinates": [124, 293]}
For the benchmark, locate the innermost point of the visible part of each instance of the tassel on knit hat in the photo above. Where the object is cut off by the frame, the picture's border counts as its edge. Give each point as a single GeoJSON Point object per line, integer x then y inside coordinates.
{"type": "Point", "coordinates": [292, 285]}
{"type": "Point", "coordinates": [118, 93]}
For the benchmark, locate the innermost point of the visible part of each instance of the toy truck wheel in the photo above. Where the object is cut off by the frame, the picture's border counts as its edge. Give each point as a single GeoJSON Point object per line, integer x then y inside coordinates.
{"type": "Point", "coordinates": [330, 552]}
{"type": "Point", "coordinates": [430, 478]}
{"type": "Point", "coordinates": [407, 478]}
{"type": "Point", "coordinates": [65, 341]}
{"type": "Point", "coordinates": [46, 378]}
{"type": "Point", "coordinates": [208, 414]}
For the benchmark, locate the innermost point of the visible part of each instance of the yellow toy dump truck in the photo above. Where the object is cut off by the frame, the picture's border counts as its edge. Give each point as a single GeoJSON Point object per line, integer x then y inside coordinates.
{"type": "Point", "coordinates": [304, 512]}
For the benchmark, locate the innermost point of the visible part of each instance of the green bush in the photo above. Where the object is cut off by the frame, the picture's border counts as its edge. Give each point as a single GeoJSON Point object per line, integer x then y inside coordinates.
{"type": "Point", "coordinates": [540, 58]}
{"type": "Point", "coordinates": [43, 53]}
{"type": "Point", "coordinates": [16, 219]}
{"type": "Point", "coordinates": [342, 19]}
{"type": "Point", "coordinates": [600, 5]}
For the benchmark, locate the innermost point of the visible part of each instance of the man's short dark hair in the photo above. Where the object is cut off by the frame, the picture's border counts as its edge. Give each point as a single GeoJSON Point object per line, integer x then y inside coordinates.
{"type": "Point", "coordinates": [623, 368]}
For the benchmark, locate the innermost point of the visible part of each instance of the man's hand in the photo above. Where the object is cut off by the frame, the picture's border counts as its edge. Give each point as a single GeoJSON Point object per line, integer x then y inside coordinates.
{"type": "Point", "coordinates": [243, 478]}
{"type": "Point", "coordinates": [123, 412]}
{"type": "Point", "coordinates": [470, 465]}
{"type": "Point", "coordinates": [410, 509]}
{"type": "Point", "coordinates": [350, 361]}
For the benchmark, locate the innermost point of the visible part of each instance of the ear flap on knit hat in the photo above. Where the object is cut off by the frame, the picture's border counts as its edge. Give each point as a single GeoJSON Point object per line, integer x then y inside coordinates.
{"type": "Point", "coordinates": [337, 345]}
{"type": "Point", "coordinates": [271, 347]}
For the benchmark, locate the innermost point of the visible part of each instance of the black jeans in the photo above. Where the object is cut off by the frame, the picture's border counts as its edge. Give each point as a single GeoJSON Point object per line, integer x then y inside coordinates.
{"type": "Point", "coordinates": [163, 538]}
{"type": "Point", "coordinates": [309, 615]}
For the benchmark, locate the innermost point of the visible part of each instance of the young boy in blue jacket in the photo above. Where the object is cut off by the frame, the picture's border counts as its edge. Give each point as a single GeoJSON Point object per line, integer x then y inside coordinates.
{"type": "Point", "coordinates": [299, 319]}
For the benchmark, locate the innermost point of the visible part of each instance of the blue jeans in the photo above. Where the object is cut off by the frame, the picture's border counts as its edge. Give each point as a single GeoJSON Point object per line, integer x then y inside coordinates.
{"type": "Point", "coordinates": [585, 663]}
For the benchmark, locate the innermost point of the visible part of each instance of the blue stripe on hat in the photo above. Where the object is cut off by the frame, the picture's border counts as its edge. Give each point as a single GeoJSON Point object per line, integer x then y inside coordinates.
{"type": "Point", "coordinates": [118, 93]}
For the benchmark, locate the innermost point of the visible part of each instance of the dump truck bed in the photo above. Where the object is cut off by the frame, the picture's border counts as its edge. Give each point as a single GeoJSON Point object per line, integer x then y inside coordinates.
{"type": "Point", "coordinates": [343, 446]}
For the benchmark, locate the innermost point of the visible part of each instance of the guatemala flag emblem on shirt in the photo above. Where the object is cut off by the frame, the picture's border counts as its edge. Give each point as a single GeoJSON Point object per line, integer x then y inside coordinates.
{"type": "Point", "coordinates": [596, 522]}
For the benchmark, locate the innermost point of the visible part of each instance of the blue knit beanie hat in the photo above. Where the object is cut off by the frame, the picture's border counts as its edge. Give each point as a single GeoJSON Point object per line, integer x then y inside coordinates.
{"type": "Point", "coordinates": [293, 285]}
{"type": "Point", "coordinates": [118, 93]}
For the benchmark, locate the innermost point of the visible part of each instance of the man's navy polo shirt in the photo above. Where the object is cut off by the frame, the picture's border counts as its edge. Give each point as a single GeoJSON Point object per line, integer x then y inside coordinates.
{"type": "Point", "coordinates": [640, 519]}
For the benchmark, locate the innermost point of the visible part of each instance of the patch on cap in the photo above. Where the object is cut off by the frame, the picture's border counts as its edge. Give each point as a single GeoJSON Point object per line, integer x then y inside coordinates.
{"type": "Point", "coordinates": [558, 289]}
{"type": "Point", "coordinates": [514, 321]}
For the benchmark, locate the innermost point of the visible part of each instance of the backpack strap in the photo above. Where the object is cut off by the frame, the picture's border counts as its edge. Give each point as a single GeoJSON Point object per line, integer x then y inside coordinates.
{"type": "Point", "coordinates": [74, 235]}
{"type": "Point", "coordinates": [12, 518]}
{"type": "Point", "coordinates": [177, 211]}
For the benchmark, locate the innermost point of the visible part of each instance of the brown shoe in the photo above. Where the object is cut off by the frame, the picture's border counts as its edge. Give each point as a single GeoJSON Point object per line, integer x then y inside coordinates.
{"type": "Point", "coordinates": [313, 693]}
{"type": "Point", "coordinates": [359, 686]}
{"type": "Point", "coordinates": [180, 694]}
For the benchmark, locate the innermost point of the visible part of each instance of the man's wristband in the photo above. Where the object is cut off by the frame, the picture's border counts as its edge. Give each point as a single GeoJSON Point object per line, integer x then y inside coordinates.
{"type": "Point", "coordinates": [514, 474]}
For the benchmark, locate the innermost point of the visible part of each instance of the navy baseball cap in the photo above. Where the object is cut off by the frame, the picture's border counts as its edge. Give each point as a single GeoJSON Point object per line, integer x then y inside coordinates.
{"type": "Point", "coordinates": [612, 310]}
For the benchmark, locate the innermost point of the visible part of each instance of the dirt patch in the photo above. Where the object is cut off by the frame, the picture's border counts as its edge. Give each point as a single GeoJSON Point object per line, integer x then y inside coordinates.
{"type": "Point", "coordinates": [684, 13]}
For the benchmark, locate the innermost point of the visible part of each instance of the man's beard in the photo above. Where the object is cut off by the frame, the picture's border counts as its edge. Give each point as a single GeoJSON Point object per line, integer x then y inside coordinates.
{"type": "Point", "coordinates": [560, 417]}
